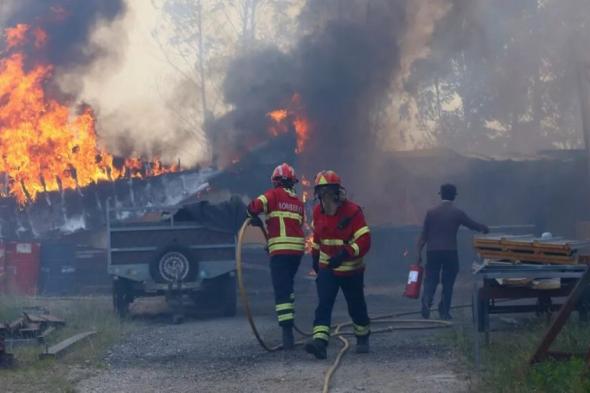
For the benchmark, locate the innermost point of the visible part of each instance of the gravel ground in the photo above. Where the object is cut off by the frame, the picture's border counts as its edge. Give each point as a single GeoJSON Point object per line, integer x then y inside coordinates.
{"type": "Point", "coordinates": [222, 355]}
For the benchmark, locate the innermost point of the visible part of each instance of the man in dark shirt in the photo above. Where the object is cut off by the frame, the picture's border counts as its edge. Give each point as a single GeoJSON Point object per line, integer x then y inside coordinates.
{"type": "Point", "coordinates": [439, 234]}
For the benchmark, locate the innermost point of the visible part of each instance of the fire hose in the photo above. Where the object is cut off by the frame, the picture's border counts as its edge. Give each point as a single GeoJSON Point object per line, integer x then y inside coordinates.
{"type": "Point", "coordinates": [391, 319]}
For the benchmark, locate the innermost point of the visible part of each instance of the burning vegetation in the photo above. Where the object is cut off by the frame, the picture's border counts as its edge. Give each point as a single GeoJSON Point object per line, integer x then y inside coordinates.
{"type": "Point", "coordinates": [45, 144]}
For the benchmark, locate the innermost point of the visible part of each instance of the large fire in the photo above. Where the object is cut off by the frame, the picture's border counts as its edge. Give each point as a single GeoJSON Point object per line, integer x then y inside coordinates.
{"type": "Point", "coordinates": [292, 116]}
{"type": "Point", "coordinates": [44, 144]}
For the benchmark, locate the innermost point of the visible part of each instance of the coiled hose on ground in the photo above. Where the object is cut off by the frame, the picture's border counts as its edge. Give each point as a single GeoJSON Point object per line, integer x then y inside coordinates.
{"type": "Point", "coordinates": [391, 319]}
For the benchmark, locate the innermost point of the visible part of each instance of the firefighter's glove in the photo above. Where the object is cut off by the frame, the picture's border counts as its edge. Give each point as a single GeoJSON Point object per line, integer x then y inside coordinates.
{"type": "Point", "coordinates": [255, 221]}
{"type": "Point", "coordinates": [337, 260]}
{"type": "Point", "coordinates": [315, 262]}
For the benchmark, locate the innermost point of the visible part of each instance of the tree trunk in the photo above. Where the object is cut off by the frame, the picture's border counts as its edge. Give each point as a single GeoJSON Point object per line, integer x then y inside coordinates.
{"type": "Point", "coordinates": [203, 87]}
{"type": "Point", "coordinates": [438, 103]}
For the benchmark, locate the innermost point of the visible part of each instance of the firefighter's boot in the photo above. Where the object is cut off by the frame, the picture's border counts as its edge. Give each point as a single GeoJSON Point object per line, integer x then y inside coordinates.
{"type": "Point", "coordinates": [288, 339]}
{"type": "Point", "coordinates": [362, 344]}
{"type": "Point", "coordinates": [317, 348]}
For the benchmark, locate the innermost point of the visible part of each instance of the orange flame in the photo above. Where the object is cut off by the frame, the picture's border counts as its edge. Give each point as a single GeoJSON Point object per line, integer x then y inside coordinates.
{"type": "Point", "coordinates": [44, 145]}
{"type": "Point", "coordinates": [307, 224]}
{"type": "Point", "coordinates": [16, 35]}
{"type": "Point", "coordinates": [279, 115]}
{"type": "Point", "coordinates": [294, 115]}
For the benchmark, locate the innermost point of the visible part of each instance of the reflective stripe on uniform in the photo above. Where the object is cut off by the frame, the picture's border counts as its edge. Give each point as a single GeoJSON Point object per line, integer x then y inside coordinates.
{"type": "Point", "coordinates": [286, 239]}
{"type": "Point", "coordinates": [356, 249]}
{"type": "Point", "coordinates": [332, 242]}
{"type": "Point", "coordinates": [346, 266]}
{"type": "Point", "coordinates": [286, 246]}
{"type": "Point", "coordinates": [321, 332]}
{"type": "Point", "coordinates": [315, 246]}
{"type": "Point", "coordinates": [321, 328]}
{"type": "Point", "coordinates": [321, 336]}
{"type": "Point", "coordinates": [361, 330]}
{"type": "Point", "coordinates": [264, 201]}
{"type": "Point", "coordinates": [283, 229]}
{"type": "Point", "coordinates": [286, 317]}
{"type": "Point", "coordinates": [284, 306]}
{"type": "Point", "coordinates": [281, 214]}
{"type": "Point", "coordinates": [360, 232]}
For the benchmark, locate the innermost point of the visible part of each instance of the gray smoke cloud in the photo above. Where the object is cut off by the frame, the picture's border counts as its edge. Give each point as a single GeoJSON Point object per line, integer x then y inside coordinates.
{"type": "Point", "coordinates": [68, 23]}
{"type": "Point", "coordinates": [257, 82]}
{"type": "Point", "coordinates": [343, 66]}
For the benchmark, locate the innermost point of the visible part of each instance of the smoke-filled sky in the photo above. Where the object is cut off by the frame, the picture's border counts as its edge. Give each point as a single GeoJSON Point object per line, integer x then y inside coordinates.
{"type": "Point", "coordinates": [474, 75]}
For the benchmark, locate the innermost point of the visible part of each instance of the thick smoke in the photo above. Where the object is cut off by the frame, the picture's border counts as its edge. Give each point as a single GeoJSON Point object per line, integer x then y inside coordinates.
{"type": "Point", "coordinates": [347, 68]}
{"type": "Point", "coordinates": [343, 67]}
{"type": "Point", "coordinates": [68, 23]}
{"type": "Point", "coordinates": [350, 67]}
{"type": "Point", "coordinates": [257, 82]}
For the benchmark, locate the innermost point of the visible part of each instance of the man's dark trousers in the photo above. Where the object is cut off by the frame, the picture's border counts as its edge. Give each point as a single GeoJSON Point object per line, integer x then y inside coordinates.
{"type": "Point", "coordinates": [442, 266]}
{"type": "Point", "coordinates": [282, 270]}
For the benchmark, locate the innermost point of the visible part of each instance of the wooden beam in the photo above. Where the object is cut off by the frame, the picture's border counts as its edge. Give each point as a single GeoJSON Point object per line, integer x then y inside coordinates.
{"type": "Point", "coordinates": [61, 348]}
{"type": "Point", "coordinates": [570, 304]}
{"type": "Point", "coordinates": [47, 332]}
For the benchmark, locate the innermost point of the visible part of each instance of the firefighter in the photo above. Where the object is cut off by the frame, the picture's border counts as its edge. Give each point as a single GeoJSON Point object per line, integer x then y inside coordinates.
{"type": "Point", "coordinates": [341, 238]}
{"type": "Point", "coordinates": [286, 242]}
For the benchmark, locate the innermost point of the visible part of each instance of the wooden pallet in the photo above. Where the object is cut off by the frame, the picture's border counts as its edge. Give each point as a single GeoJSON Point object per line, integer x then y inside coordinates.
{"type": "Point", "coordinates": [527, 248]}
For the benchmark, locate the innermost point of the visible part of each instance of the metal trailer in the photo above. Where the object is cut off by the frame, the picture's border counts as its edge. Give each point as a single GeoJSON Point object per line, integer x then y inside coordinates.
{"type": "Point", "coordinates": [151, 254]}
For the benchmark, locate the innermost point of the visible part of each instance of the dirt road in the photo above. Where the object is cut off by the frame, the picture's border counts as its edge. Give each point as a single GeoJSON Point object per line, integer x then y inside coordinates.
{"type": "Point", "coordinates": [221, 355]}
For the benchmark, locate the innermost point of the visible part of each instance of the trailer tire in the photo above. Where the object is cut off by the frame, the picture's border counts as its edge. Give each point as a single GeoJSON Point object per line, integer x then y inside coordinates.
{"type": "Point", "coordinates": [173, 259]}
{"type": "Point", "coordinates": [122, 296]}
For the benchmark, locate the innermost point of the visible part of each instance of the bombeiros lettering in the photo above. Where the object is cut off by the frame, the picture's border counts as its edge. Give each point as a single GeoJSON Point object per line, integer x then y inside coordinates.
{"type": "Point", "coordinates": [290, 207]}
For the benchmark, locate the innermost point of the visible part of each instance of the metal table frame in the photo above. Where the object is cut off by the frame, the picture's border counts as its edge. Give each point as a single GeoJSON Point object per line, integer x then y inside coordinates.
{"type": "Point", "coordinates": [514, 271]}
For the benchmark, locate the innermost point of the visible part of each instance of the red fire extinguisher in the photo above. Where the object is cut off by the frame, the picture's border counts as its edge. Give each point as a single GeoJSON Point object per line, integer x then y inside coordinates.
{"type": "Point", "coordinates": [414, 282]}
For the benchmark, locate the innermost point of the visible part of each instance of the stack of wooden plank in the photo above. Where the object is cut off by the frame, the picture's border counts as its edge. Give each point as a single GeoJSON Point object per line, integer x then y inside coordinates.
{"type": "Point", "coordinates": [530, 249]}
{"type": "Point", "coordinates": [30, 325]}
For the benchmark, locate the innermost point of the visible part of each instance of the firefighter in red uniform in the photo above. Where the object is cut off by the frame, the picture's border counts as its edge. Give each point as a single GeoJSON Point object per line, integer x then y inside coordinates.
{"type": "Point", "coordinates": [341, 239]}
{"type": "Point", "coordinates": [286, 241]}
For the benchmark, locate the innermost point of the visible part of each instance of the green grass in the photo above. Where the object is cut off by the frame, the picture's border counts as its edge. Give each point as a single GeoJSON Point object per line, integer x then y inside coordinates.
{"type": "Point", "coordinates": [505, 362]}
{"type": "Point", "coordinates": [61, 375]}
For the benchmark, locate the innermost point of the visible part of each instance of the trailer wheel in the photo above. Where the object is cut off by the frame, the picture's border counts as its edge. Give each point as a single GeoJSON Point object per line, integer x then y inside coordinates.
{"type": "Point", "coordinates": [122, 296]}
{"type": "Point", "coordinates": [174, 263]}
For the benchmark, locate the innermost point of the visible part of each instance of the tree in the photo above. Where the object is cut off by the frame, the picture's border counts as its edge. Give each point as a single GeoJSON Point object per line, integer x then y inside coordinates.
{"type": "Point", "coordinates": [199, 37]}
{"type": "Point", "coordinates": [509, 68]}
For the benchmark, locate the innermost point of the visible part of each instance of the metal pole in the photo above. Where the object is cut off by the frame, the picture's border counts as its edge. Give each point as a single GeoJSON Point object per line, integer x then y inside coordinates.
{"type": "Point", "coordinates": [108, 212]}
{"type": "Point", "coordinates": [475, 306]}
